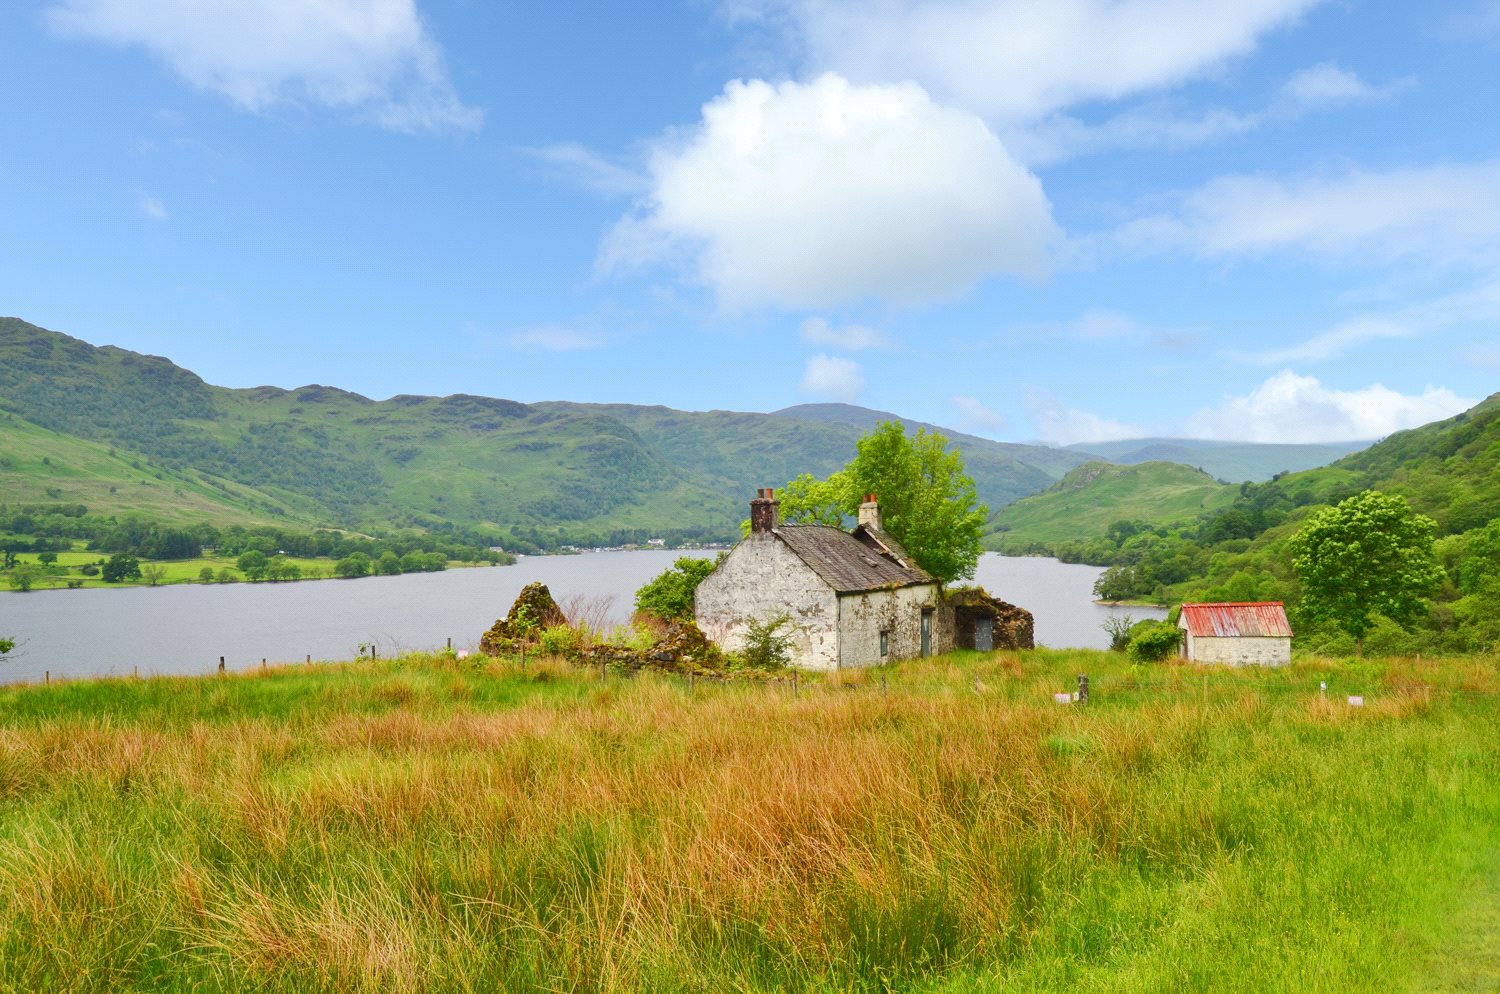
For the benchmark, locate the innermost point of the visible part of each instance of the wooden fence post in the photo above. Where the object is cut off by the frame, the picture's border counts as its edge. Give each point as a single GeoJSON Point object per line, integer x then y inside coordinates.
{"type": "Point", "coordinates": [221, 665]}
{"type": "Point", "coordinates": [794, 684]}
{"type": "Point", "coordinates": [1083, 688]}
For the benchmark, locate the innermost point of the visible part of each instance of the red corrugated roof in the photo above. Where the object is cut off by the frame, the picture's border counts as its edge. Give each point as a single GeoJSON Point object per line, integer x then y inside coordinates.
{"type": "Point", "coordinates": [1260, 619]}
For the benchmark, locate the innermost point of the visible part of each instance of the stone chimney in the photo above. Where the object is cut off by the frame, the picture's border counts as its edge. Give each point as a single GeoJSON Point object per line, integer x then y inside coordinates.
{"type": "Point", "coordinates": [763, 511]}
{"type": "Point", "coordinates": [869, 514]}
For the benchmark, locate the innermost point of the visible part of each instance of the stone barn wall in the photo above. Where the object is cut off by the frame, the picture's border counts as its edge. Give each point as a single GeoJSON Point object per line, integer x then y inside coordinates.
{"type": "Point", "coordinates": [864, 615]}
{"type": "Point", "coordinates": [1242, 650]}
{"type": "Point", "coordinates": [760, 579]}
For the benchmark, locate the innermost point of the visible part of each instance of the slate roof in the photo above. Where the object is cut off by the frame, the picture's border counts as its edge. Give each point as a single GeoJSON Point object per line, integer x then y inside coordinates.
{"type": "Point", "coordinates": [847, 564]}
{"type": "Point", "coordinates": [1262, 619]}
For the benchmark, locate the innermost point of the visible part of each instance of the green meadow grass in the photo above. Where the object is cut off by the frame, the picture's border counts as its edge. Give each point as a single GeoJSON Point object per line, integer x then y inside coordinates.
{"type": "Point", "coordinates": [430, 824]}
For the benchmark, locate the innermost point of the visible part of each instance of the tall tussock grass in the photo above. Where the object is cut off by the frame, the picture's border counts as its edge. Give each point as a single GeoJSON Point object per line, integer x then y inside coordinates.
{"type": "Point", "coordinates": [424, 824]}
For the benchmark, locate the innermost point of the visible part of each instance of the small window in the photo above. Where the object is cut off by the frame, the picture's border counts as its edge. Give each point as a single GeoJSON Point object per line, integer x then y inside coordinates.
{"type": "Point", "coordinates": [885, 644]}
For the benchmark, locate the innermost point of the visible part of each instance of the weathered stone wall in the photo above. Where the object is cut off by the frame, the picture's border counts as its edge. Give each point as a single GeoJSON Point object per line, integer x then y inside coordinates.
{"type": "Point", "coordinates": [1012, 627]}
{"type": "Point", "coordinates": [1242, 651]}
{"type": "Point", "coordinates": [763, 578]}
{"type": "Point", "coordinates": [533, 611]}
{"type": "Point", "coordinates": [898, 612]}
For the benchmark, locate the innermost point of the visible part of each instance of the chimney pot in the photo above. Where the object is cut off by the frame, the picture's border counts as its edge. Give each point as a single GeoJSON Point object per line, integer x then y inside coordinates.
{"type": "Point", "coordinates": [763, 511]}
{"type": "Point", "coordinates": [869, 514]}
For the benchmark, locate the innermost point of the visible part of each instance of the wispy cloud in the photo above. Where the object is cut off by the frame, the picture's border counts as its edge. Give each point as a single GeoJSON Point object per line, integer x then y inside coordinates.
{"type": "Point", "coordinates": [1104, 326]}
{"type": "Point", "coordinates": [581, 166]}
{"type": "Point", "coordinates": [832, 378]}
{"type": "Point", "coordinates": [1062, 425]}
{"type": "Point", "coordinates": [554, 338]}
{"type": "Point", "coordinates": [1447, 213]}
{"type": "Point", "coordinates": [976, 416]}
{"type": "Point", "coordinates": [150, 208]}
{"type": "Point", "coordinates": [373, 57]}
{"type": "Point", "coordinates": [1018, 60]}
{"type": "Point", "coordinates": [848, 337]}
{"type": "Point", "coordinates": [1162, 123]}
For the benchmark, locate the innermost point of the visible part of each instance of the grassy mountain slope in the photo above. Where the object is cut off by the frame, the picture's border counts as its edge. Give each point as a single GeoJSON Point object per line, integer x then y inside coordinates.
{"type": "Point", "coordinates": [1085, 502]}
{"type": "Point", "coordinates": [1231, 461]}
{"type": "Point", "coordinates": [45, 467]}
{"type": "Point", "coordinates": [548, 472]}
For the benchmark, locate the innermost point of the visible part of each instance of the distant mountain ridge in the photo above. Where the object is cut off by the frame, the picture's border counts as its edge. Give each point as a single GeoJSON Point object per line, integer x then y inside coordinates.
{"type": "Point", "coordinates": [160, 440]}
{"type": "Point", "coordinates": [548, 473]}
{"type": "Point", "coordinates": [1232, 462]}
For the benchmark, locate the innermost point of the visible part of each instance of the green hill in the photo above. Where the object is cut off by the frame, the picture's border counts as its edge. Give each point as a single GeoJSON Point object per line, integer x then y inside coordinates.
{"type": "Point", "coordinates": [1232, 461]}
{"type": "Point", "coordinates": [546, 473]}
{"type": "Point", "coordinates": [1089, 499]}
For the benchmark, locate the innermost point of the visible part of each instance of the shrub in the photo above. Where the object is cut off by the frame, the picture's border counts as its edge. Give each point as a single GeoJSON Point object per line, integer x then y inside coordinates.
{"type": "Point", "coordinates": [1153, 641]}
{"type": "Point", "coordinates": [561, 640]}
{"type": "Point", "coordinates": [768, 645]}
{"type": "Point", "coordinates": [1118, 626]}
{"type": "Point", "coordinates": [670, 594]}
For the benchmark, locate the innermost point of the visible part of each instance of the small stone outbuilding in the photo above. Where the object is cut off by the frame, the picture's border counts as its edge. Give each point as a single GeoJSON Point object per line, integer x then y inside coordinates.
{"type": "Point", "coordinates": [1239, 634]}
{"type": "Point", "coordinates": [981, 622]}
{"type": "Point", "coordinates": [855, 598]}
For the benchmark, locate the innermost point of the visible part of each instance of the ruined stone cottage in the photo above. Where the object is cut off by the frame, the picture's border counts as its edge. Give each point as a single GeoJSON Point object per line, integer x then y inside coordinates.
{"type": "Point", "coordinates": [855, 598]}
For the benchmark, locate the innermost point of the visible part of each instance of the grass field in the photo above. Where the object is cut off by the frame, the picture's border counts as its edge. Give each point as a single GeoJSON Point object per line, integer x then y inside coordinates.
{"type": "Point", "coordinates": [429, 824]}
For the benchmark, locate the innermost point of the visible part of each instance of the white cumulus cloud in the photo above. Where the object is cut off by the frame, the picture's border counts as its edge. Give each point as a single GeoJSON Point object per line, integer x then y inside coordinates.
{"type": "Point", "coordinates": [810, 194]}
{"type": "Point", "coordinates": [371, 56]}
{"type": "Point", "coordinates": [832, 378]}
{"type": "Point", "coordinates": [1292, 408]}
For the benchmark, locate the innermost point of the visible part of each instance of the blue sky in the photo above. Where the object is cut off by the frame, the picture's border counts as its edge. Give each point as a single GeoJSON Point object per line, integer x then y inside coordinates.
{"type": "Point", "coordinates": [1275, 220]}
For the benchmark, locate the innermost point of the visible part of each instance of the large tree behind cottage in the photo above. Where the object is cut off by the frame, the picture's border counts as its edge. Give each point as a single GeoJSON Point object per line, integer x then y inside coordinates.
{"type": "Point", "coordinates": [1369, 555]}
{"type": "Point", "coordinates": [927, 502]}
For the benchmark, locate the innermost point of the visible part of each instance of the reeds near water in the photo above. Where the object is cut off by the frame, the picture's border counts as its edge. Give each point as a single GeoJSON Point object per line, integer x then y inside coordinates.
{"type": "Point", "coordinates": [424, 824]}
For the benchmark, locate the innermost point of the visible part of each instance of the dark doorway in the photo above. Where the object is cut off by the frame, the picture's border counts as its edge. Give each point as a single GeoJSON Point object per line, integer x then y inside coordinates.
{"type": "Point", "coordinates": [927, 633]}
{"type": "Point", "coordinates": [984, 634]}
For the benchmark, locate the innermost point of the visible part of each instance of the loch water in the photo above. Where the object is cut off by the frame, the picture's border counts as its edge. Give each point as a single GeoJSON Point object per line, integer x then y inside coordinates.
{"type": "Point", "coordinates": [185, 628]}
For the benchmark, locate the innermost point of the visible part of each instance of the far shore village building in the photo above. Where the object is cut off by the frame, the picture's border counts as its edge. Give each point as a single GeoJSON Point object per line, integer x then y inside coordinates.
{"type": "Point", "coordinates": [1240, 634]}
{"type": "Point", "coordinates": [855, 598]}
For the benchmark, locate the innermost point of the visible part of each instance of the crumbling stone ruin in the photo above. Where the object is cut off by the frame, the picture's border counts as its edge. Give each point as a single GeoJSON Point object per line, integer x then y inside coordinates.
{"type": "Point", "coordinates": [972, 612]}
{"type": "Point", "coordinates": [533, 613]}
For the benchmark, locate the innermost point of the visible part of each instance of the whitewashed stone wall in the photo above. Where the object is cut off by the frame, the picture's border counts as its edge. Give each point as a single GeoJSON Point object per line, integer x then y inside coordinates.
{"type": "Point", "coordinates": [1242, 651]}
{"type": "Point", "coordinates": [760, 579]}
{"type": "Point", "coordinates": [863, 616]}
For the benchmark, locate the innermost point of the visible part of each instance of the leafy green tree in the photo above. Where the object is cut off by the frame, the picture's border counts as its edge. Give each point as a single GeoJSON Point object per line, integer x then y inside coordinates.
{"type": "Point", "coordinates": [279, 568]}
{"type": "Point", "coordinates": [927, 502]}
{"type": "Point", "coordinates": [670, 595]}
{"type": "Point", "coordinates": [226, 575]}
{"type": "Point", "coordinates": [25, 576]}
{"type": "Point", "coordinates": [206, 575]}
{"type": "Point", "coordinates": [352, 566]}
{"type": "Point", "coordinates": [46, 558]}
{"type": "Point", "coordinates": [389, 564]}
{"type": "Point", "coordinates": [252, 564]}
{"type": "Point", "coordinates": [120, 567]}
{"type": "Point", "coordinates": [926, 499]}
{"type": "Point", "coordinates": [153, 573]}
{"type": "Point", "coordinates": [1369, 555]}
